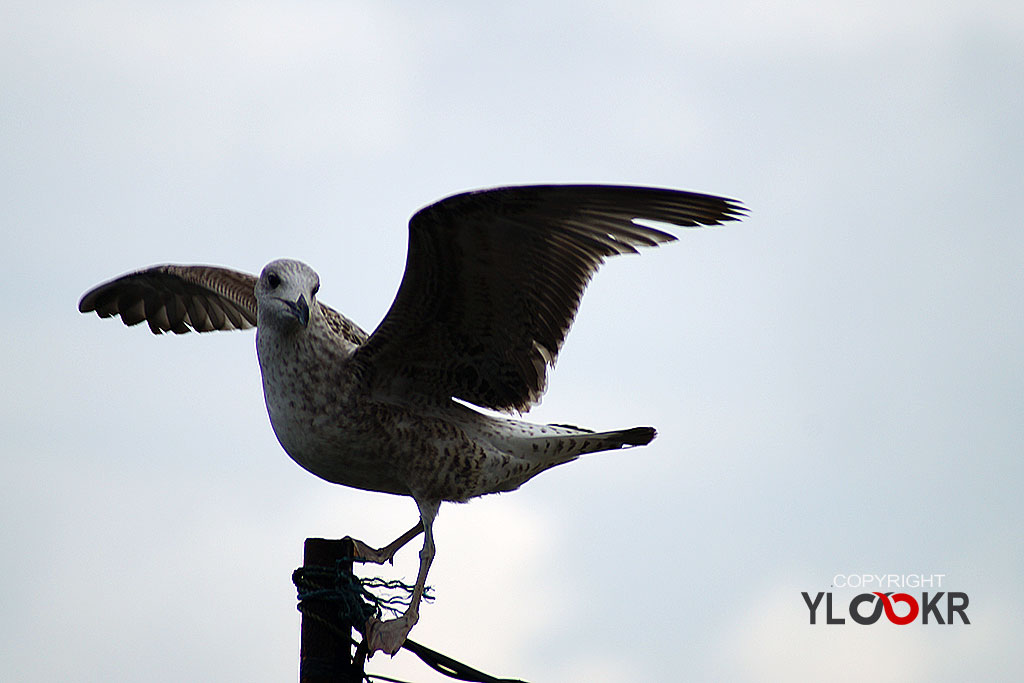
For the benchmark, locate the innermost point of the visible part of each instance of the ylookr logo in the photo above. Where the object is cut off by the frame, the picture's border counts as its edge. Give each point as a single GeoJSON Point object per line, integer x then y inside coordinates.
{"type": "Point", "coordinates": [868, 608]}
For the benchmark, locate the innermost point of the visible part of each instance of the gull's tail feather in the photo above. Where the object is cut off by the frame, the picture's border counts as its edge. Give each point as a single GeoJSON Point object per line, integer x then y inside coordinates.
{"type": "Point", "coordinates": [556, 444]}
{"type": "Point", "coordinates": [621, 438]}
{"type": "Point", "coordinates": [575, 441]}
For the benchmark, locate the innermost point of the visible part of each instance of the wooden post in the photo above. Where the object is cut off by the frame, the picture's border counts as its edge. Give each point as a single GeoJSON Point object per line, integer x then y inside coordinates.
{"type": "Point", "coordinates": [325, 652]}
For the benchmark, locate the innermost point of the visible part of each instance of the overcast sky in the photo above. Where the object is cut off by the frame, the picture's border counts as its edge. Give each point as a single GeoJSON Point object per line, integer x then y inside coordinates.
{"type": "Point", "coordinates": [837, 381]}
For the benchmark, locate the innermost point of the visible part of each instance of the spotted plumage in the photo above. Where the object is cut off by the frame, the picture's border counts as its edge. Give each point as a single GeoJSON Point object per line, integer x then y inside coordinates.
{"type": "Point", "coordinates": [492, 282]}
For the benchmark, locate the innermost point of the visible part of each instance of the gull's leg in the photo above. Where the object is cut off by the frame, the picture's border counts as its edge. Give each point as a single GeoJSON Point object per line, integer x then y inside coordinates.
{"type": "Point", "coordinates": [365, 553]}
{"type": "Point", "coordinates": [389, 635]}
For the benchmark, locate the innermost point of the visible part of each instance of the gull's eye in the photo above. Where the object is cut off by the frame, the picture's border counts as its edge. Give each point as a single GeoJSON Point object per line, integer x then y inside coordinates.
{"type": "Point", "coordinates": [316, 288]}
{"type": "Point", "coordinates": [273, 280]}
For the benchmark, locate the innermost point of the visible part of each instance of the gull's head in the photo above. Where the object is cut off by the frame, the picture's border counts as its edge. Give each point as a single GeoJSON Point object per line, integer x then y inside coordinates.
{"type": "Point", "coordinates": [285, 294]}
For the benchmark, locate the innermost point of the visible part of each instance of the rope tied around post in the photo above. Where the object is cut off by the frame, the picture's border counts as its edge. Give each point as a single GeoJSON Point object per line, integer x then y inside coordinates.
{"type": "Point", "coordinates": [350, 594]}
{"type": "Point", "coordinates": [332, 596]}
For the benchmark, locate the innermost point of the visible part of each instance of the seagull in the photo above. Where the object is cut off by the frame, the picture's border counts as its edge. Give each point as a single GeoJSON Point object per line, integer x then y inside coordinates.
{"type": "Point", "coordinates": [493, 280]}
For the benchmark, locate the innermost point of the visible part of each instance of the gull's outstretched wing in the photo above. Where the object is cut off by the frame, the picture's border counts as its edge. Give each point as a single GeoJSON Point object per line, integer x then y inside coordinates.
{"type": "Point", "coordinates": [493, 280]}
{"type": "Point", "coordinates": [179, 299]}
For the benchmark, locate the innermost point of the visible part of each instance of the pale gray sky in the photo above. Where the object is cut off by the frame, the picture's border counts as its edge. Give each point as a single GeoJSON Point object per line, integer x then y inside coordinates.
{"type": "Point", "coordinates": [837, 381]}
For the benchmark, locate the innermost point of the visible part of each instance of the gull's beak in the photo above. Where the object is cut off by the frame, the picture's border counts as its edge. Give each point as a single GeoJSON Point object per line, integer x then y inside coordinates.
{"type": "Point", "coordinates": [301, 309]}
